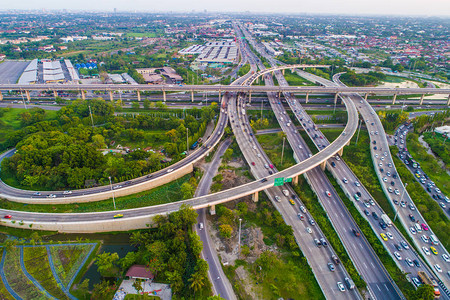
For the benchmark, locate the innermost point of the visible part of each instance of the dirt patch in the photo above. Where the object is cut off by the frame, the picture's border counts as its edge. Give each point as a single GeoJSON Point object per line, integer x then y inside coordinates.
{"type": "Point", "coordinates": [249, 286]}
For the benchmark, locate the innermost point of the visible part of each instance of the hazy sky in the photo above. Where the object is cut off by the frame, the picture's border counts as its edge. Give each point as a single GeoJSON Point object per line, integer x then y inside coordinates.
{"type": "Point", "coordinates": [383, 7]}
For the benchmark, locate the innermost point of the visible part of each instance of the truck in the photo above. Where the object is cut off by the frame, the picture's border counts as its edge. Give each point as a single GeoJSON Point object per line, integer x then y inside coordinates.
{"type": "Point", "coordinates": [425, 279]}
{"type": "Point", "coordinates": [386, 220]}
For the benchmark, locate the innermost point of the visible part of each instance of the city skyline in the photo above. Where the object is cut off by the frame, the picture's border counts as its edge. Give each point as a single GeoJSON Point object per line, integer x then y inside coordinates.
{"type": "Point", "coordinates": [348, 7]}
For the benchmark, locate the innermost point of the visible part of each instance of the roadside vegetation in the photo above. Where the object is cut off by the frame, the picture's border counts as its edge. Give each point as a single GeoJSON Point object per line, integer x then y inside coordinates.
{"type": "Point", "coordinates": [244, 70]}
{"type": "Point", "coordinates": [350, 78]}
{"type": "Point", "coordinates": [294, 79]}
{"type": "Point", "coordinates": [439, 145]}
{"type": "Point", "coordinates": [67, 152]}
{"type": "Point", "coordinates": [272, 144]}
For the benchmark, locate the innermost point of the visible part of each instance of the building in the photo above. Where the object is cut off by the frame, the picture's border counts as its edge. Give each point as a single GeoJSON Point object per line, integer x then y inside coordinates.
{"type": "Point", "coordinates": [219, 52]}
{"type": "Point", "coordinates": [29, 75]}
{"type": "Point", "coordinates": [53, 72]}
{"type": "Point", "coordinates": [2, 57]}
{"type": "Point", "coordinates": [171, 75]}
{"type": "Point", "coordinates": [139, 272]}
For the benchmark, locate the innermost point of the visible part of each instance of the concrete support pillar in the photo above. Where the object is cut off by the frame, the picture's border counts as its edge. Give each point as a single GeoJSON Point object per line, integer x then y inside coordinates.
{"type": "Point", "coordinates": [448, 100]}
{"type": "Point", "coordinates": [164, 96]}
{"type": "Point", "coordinates": [192, 96]}
{"type": "Point", "coordinates": [340, 152]}
{"type": "Point", "coordinates": [212, 210]}
{"type": "Point", "coordinates": [323, 165]}
{"type": "Point", "coordinates": [393, 99]}
{"type": "Point", "coordinates": [138, 93]}
{"type": "Point", "coordinates": [295, 180]}
{"type": "Point", "coordinates": [249, 97]}
{"type": "Point", "coordinates": [83, 95]}
{"type": "Point", "coordinates": [220, 96]}
{"type": "Point", "coordinates": [336, 97]}
{"type": "Point", "coordinates": [365, 97]}
{"type": "Point", "coordinates": [282, 71]}
{"type": "Point", "coordinates": [27, 93]}
{"type": "Point", "coordinates": [257, 80]}
{"type": "Point", "coordinates": [55, 94]}
{"type": "Point", "coordinates": [1, 96]}
{"type": "Point", "coordinates": [111, 96]}
{"type": "Point", "coordinates": [307, 98]}
{"type": "Point", "coordinates": [279, 95]}
{"type": "Point", "coordinates": [255, 197]}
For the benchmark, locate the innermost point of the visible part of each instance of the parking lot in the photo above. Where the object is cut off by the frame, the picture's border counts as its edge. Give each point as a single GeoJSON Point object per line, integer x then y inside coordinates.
{"type": "Point", "coordinates": [10, 71]}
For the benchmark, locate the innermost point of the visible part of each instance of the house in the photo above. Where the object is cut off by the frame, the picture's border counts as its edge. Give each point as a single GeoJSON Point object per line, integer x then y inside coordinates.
{"type": "Point", "coordinates": [139, 272]}
{"type": "Point", "coordinates": [2, 57]}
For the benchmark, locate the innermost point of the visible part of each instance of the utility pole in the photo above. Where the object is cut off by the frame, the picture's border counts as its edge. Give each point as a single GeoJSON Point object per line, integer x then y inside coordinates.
{"type": "Point", "coordinates": [187, 141]}
{"type": "Point", "coordinates": [92, 119]}
{"type": "Point", "coordinates": [114, 200]}
{"type": "Point", "coordinates": [262, 102]}
{"type": "Point", "coordinates": [282, 151]}
{"type": "Point", "coordinates": [359, 129]}
{"type": "Point", "coordinates": [239, 243]}
{"type": "Point", "coordinates": [401, 199]}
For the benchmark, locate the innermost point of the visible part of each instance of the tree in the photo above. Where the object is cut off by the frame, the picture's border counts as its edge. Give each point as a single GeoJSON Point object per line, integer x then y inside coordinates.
{"type": "Point", "coordinates": [160, 104]}
{"type": "Point", "coordinates": [135, 105]}
{"type": "Point", "coordinates": [106, 263]}
{"type": "Point", "coordinates": [146, 104]}
{"type": "Point", "coordinates": [197, 281]}
{"type": "Point", "coordinates": [98, 141]}
{"type": "Point", "coordinates": [101, 290]}
{"type": "Point", "coordinates": [424, 292]}
{"type": "Point", "coordinates": [83, 288]}
{"type": "Point", "coordinates": [225, 230]}
{"type": "Point", "coordinates": [137, 285]}
{"type": "Point", "coordinates": [215, 297]}
{"type": "Point", "coordinates": [187, 190]}
{"type": "Point", "coordinates": [228, 154]}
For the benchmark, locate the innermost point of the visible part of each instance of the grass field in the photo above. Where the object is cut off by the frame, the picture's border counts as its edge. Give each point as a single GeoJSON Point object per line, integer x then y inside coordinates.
{"type": "Point", "coordinates": [393, 79]}
{"type": "Point", "coordinates": [272, 144]}
{"type": "Point", "coordinates": [295, 80]}
{"type": "Point", "coordinates": [37, 264]}
{"type": "Point", "coordinates": [428, 163]}
{"type": "Point", "coordinates": [141, 34]}
{"type": "Point", "coordinates": [4, 294]}
{"type": "Point", "coordinates": [68, 259]}
{"type": "Point", "coordinates": [169, 192]}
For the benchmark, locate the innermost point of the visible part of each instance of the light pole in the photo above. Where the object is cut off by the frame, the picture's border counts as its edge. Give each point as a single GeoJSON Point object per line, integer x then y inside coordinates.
{"type": "Point", "coordinates": [114, 200]}
{"type": "Point", "coordinates": [239, 243]}
{"type": "Point", "coordinates": [282, 151]}
{"type": "Point", "coordinates": [359, 129]}
{"type": "Point", "coordinates": [401, 199]}
{"type": "Point", "coordinates": [187, 141]}
{"type": "Point", "coordinates": [92, 119]}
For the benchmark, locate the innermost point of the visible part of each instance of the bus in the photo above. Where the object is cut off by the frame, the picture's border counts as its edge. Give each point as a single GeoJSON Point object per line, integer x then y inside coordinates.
{"type": "Point", "coordinates": [425, 279]}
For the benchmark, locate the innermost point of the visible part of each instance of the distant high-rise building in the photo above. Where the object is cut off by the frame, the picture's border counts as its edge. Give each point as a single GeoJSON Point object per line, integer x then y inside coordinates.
{"type": "Point", "coordinates": [115, 10]}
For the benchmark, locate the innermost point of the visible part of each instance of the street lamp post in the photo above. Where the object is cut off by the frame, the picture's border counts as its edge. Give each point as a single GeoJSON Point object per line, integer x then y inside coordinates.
{"type": "Point", "coordinates": [359, 129]}
{"type": "Point", "coordinates": [239, 244]}
{"type": "Point", "coordinates": [187, 141]}
{"type": "Point", "coordinates": [401, 199]}
{"type": "Point", "coordinates": [114, 200]}
{"type": "Point", "coordinates": [282, 151]}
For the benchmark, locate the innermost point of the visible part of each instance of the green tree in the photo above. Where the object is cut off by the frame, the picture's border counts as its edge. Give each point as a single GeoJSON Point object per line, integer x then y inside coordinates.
{"type": "Point", "coordinates": [197, 280]}
{"type": "Point", "coordinates": [424, 292]}
{"type": "Point", "coordinates": [137, 286]}
{"type": "Point", "coordinates": [228, 155]}
{"type": "Point", "coordinates": [187, 190]}
{"type": "Point", "coordinates": [107, 263]}
{"type": "Point", "coordinates": [225, 230]}
{"type": "Point", "coordinates": [146, 104]}
{"type": "Point", "coordinates": [135, 105]}
{"type": "Point", "coordinates": [83, 288]}
{"type": "Point", "coordinates": [102, 291]}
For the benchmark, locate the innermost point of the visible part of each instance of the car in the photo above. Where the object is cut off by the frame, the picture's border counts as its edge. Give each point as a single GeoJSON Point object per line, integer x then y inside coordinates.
{"type": "Point", "coordinates": [426, 251]}
{"type": "Point", "coordinates": [396, 202]}
{"type": "Point", "coordinates": [328, 194]}
{"type": "Point", "coordinates": [200, 226]}
{"type": "Point", "coordinates": [411, 207]}
{"type": "Point", "coordinates": [337, 158]}
{"type": "Point", "coordinates": [404, 245]}
{"type": "Point", "coordinates": [117, 187]}
{"type": "Point", "coordinates": [169, 170]}
{"type": "Point", "coordinates": [300, 216]}
{"type": "Point", "coordinates": [411, 217]}
{"type": "Point", "coordinates": [383, 236]}
{"type": "Point", "coordinates": [341, 286]}
{"type": "Point", "coordinates": [335, 259]}
{"type": "Point", "coordinates": [366, 204]}
{"type": "Point", "coordinates": [356, 197]}
{"type": "Point", "coordinates": [417, 263]}
{"type": "Point", "coordinates": [438, 268]}
{"type": "Point", "coordinates": [308, 230]}
{"type": "Point", "coordinates": [356, 232]}
{"type": "Point", "coordinates": [384, 179]}
{"type": "Point", "coordinates": [402, 204]}
{"type": "Point", "coordinates": [366, 212]}
{"type": "Point", "coordinates": [443, 205]}
{"type": "Point", "coordinates": [324, 242]}
{"type": "Point", "coordinates": [435, 252]}
{"type": "Point", "coordinates": [67, 192]}
{"type": "Point", "coordinates": [413, 231]}
{"type": "Point", "coordinates": [318, 243]}
{"type": "Point", "coordinates": [397, 192]}
{"type": "Point", "coordinates": [312, 222]}
{"type": "Point", "coordinates": [397, 255]}
{"type": "Point", "coordinates": [389, 235]}
{"type": "Point", "coordinates": [291, 202]}
{"type": "Point", "coordinates": [263, 180]}
{"type": "Point", "coordinates": [333, 164]}
{"type": "Point", "coordinates": [437, 190]}
{"type": "Point", "coordinates": [36, 194]}
{"type": "Point", "coordinates": [392, 183]}
{"type": "Point", "coordinates": [51, 196]}
{"type": "Point", "coordinates": [398, 247]}
{"type": "Point", "coordinates": [7, 217]}
{"type": "Point", "coordinates": [303, 209]}
{"type": "Point", "coordinates": [394, 176]}
{"type": "Point", "coordinates": [345, 180]}
{"type": "Point", "coordinates": [277, 198]}
{"type": "Point", "coordinates": [390, 190]}
{"type": "Point", "coordinates": [380, 164]}
{"type": "Point", "coordinates": [372, 202]}
{"type": "Point", "coordinates": [331, 267]}
{"type": "Point", "coordinates": [358, 193]}
{"type": "Point", "coordinates": [253, 163]}
{"type": "Point", "coordinates": [382, 225]}
{"type": "Point", "coordinates": [374, 215]}
{"type": "Point", "coordinates": [425, 239]}
{"type": "Point", "coordinates": [388, 173]}
{"type": "Point", "coordinates": [445, 257]}
{"type": "Point", "coordinates": [118, 216]}
{"type": "Point", "coordinates": [149, 176]}
{"type": "Point", "coordinates": [409, 262]}
{"type": "Point", "coordinates": [357, 184]}
{"type": "Point", "coordinates": [424, 226]}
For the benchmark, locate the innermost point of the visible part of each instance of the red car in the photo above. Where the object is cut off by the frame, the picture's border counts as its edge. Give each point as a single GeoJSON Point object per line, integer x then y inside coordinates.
{"type": "Point", "coordinates": [253, 163]}
{"type": "Point", "coordinates": [328, 194]}
{"type": "Point", "coordinates": [271, 166]}
{"type": "Point", "coordinates": [424, 226]}
{"type": "Point", "coordinates": [8, 217]}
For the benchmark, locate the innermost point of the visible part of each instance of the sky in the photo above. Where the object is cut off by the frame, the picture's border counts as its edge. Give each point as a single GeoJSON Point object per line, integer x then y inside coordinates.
{"type": "Point", "coordinates": [351, 7]}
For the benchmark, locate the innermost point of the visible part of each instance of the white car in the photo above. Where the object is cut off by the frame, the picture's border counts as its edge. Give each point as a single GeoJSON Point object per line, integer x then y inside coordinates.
{"type": "Point", "coordinates": [357, 183]}
{"type": "Point", "coordinates": [384, 179]}
{"type": "Point", "coordinates": [277, 198]}
{"type": "Point", "coordinates": [438, 268]}
{"type": "Point", "coordinates": [425, 239]}
{"type": "Point", "coordinates": [413, 231]}
{"type": "Point", "coordinates": [426, 251]}
{"type": "Point", "coordinates": [442, 205]}
{"type": "Point", "coordinates": [396, 191]}
{"type": "Point", "coordinates": [67, 192]}
{"type": "Point", "coordinates": [389, 235]}
{"type": "Point", "coordinates": [445, 257]}
{"type": "Point", "coordinates": [409, 262]}
{"type": "Point", "coordinates": [169, 170]}
{"type": "Point", "coordinates": [397, 255]}
{"type": "Point", "coordinates": [308, 230]}
{"type": "Point", "coordinates": [341, 286]}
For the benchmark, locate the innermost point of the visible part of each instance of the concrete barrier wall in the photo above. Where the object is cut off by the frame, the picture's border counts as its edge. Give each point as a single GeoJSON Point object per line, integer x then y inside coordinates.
{"type": "Point", "coordinates": [86, 227]}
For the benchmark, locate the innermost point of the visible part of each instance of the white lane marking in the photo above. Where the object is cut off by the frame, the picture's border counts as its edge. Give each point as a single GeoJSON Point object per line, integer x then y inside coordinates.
{"type": "Point", "coordinates": [387, 288]}
{"type": "Point", "coordinates": [378, 287]}
{"type": "Point", "coordinates": [361, 246]}
{"type": "Point", "coordinates": [365, 265]}
{"type": "Point", "coordinates": [372, 265]}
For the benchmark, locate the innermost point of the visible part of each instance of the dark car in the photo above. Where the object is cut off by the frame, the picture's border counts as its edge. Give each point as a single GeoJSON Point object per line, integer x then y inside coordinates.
{"type": "Point", "coordinates": [358, 193]}
{"type": "Point", "coordinates": [398, 247]}
{"type": "Point", "coordinates": [366, 212]}
{"type": "Point", "coordinates": [374, 215]}
{"type": "Point", "coordinates": [333, 164]}
{"type": "Point", "coordinates": [394, 176]}
{"type": "Point", "coordinates": [382, 225]}
{"type": "Point", "coordinates": [417, 263]}
{"type": "Point", "coordinates": [263, 180]}
{"type": "Point", "coordinates": [356, 232]}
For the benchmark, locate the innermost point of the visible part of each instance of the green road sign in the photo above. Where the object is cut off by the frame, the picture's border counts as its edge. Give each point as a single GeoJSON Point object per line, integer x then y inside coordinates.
{"type": "Point", "coordinates": [278, 181]}
{"type": "Point", "coordinates": [288, 180]}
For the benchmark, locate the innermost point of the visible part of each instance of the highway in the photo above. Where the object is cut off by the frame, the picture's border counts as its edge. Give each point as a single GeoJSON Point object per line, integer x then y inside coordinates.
{"type": "Point", "coordinates": [220, 283]}
{"type": "Point", "coordinates": [379, 283]}
{"type": "Point", "coordinates": [397, 195]}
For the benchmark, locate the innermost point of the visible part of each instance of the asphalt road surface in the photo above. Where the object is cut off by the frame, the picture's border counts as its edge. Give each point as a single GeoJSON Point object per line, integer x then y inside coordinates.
{"type": "Point", "coordinates": [10, 71]}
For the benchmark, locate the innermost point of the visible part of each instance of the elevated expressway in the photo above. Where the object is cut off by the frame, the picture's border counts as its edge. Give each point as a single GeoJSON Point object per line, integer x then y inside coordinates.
{"type": "Point", "coordinates": [382, 150]}
{"type": "Point", "coordinates": [379, 283]}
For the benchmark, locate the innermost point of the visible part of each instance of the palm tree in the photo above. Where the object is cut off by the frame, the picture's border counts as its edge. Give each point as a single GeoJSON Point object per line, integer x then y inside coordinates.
{"type": "Point", "coordinates": [197, 281]}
